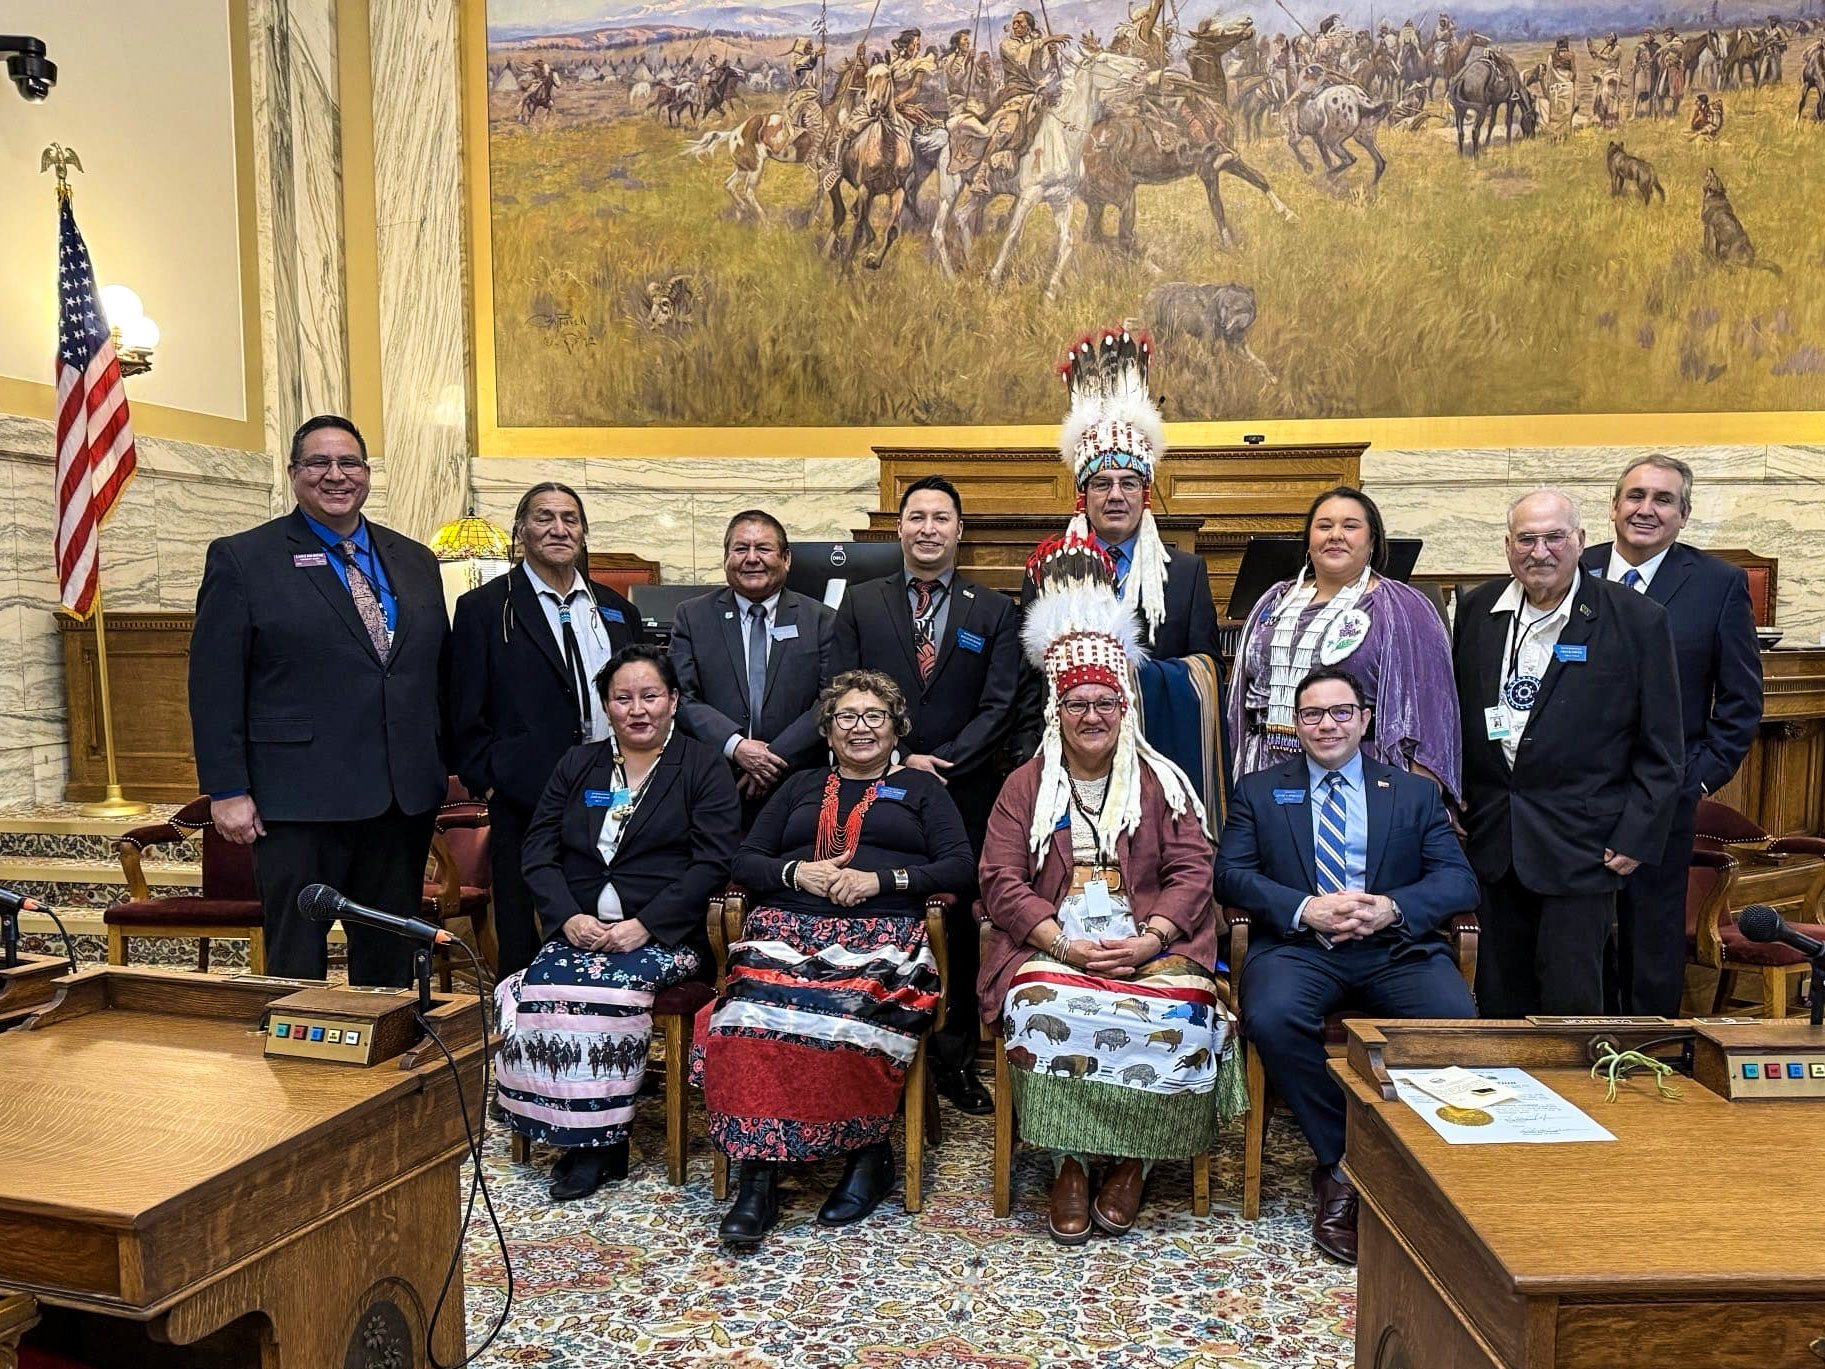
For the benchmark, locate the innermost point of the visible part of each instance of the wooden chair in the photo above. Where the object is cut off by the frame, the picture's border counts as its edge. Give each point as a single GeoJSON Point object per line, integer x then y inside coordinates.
{"type": "Point", "coordinates": [1007, 1143]}
{"type": "Point", "coordinates": [1786, 872]}
{"type": "Point", "coordinates": [227, 907]}
{"type": "Point", "coordinates": [459, 879]}
{"type": "Point", "coordinates": [673, 1011]}
{"type": "Point", "coordinates": [921, 1101]}
{"type": "Point", "coordinates": [1260, 1100]}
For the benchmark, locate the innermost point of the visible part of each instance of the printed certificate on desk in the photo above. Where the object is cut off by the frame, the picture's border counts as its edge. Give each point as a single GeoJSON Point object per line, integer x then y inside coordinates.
{"type": "Point", "coordinates": [1534, 1116]}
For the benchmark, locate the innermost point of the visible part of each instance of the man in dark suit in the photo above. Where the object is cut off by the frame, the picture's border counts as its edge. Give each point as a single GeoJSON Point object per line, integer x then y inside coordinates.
{"type": "Point", "coordinates": [1570, 711]}
{"type": "Point", "coordinates": [1720, 693]}
{"type": "Point", "coordinates": [315, 672]}
{"type": "Point", "coordinates": [953, 647]}
{"type": "Point", "coordinates": [751, 661]}
{"type": "Point", "coordinates": [525, 651]}
{"type": "Point", "coordinates": [1352, 875]}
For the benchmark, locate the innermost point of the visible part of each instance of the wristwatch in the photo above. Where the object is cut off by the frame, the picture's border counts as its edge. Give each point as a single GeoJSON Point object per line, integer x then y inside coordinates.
{"type": "Point", "coordinates": [1399, 917]}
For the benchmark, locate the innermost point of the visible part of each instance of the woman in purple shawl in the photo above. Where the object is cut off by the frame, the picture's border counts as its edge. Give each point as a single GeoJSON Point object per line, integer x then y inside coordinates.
{"type": "Point", "coordinates": [1342, 611]}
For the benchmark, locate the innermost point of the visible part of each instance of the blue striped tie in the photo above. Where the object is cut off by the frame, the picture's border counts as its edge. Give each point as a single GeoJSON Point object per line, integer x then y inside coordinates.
{"type": "Point", "coordinates": [1631, 577]}
{"type": "Point", "coordinates": [1328, 850]}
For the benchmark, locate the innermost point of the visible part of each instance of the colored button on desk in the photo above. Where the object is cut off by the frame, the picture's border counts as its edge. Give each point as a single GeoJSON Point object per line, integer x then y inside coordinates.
{"type": "Point", "coordinates": [281, 1029]}
{"type": "Point", "coordinates": [1818, 1071]}
{"type": "Point", "coordinates": [1795, 1070]}
{"type": "Point", "coordinates": [316, 1033]}
{"type": "Point", "coordinates": [1752, 1071]}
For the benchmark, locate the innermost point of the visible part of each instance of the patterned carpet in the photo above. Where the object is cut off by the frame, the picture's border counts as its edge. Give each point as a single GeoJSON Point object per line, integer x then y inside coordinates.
{"type": "Point", "coordinates": [635, 1275]}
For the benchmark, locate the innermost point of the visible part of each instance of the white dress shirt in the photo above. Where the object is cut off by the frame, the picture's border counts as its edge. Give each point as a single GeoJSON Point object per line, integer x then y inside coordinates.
{"type": "Point", "coordinates": [1619, 567]}
{"type": "Point", "coordinates": [592, 635]}
{"type": "Point", "coordinates": [1539, 635]}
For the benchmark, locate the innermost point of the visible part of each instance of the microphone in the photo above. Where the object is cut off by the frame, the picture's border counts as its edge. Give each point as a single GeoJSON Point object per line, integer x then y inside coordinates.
{"type": "Point", "coordinates": [17, 903]}
{"type": "Point", "coordinates": [1759, 922]}
{"type": "Point", "coordinates": [321, 903]}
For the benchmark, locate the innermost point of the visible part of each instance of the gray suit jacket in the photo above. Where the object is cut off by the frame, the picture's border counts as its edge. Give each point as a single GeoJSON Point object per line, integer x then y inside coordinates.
{"type": "Point", "coordinates": [709, 650]}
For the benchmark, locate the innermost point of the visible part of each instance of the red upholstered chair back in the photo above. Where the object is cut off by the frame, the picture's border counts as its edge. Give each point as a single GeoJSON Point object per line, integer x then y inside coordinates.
{"type": "Point", "coordinates": [463, 824]}
{"type": "Point", "coordinates": [1709, 869]}
{"type": "Point", "coordinates": [1761, 600]}
{"type": "Point", "coordinates": [1718, 822]}
{"type": "Point", "coordinates": [227, 868]}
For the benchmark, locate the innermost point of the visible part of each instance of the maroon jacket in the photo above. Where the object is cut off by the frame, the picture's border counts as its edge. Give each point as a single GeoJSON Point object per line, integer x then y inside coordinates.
{"type": "Point", "coordinates": [1166, 870]}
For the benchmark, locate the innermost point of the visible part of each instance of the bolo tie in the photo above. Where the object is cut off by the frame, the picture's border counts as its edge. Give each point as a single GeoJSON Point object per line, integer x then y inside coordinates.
{"type": "Point", "coordinates": [579, 673]}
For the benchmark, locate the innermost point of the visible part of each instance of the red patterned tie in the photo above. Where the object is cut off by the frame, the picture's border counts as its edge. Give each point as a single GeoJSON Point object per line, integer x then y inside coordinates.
{"type": "Point", "coordinates": [922, 628]}
{"type": "Point", "coordinates": [367, 603]}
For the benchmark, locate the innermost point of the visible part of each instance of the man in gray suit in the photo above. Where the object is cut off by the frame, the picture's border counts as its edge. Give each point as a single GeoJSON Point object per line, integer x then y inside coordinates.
{"type": "Point", "coordinates": [751, 661]}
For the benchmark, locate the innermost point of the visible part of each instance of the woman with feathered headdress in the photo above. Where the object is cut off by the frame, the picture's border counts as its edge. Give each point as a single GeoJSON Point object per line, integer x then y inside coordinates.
{"type": "Point", "coordinates": [1095, 874]}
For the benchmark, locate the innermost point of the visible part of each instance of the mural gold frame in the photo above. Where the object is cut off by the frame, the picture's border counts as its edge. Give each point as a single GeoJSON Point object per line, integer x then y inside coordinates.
{"type": "Point", "coordinates": [1396, 434]}
{"type": "Point", "coordinates": [35, 399]}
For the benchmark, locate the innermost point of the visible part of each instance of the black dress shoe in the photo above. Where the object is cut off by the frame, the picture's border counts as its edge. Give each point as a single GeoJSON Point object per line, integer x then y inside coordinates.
{"type": "Point", "coordinates": [866, 1180]}
{"type": "Point", "coordinates": [581, 1171]}
{"type": "Point", "coordinates": [1334, 1221]}
{"type": "Point", "coordinates": [756, 1208]}
{"type": "Point", "coordinates": [963, 1091]}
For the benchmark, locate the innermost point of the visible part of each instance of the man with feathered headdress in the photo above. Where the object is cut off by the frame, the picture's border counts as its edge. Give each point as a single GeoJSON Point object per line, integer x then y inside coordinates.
{"type": "Point", "coordinates": [1096, 878]}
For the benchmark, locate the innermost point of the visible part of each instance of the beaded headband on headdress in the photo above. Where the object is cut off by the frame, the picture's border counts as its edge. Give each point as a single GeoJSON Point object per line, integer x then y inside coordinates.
{"type": "Point", "coordinates": [1113, 423]}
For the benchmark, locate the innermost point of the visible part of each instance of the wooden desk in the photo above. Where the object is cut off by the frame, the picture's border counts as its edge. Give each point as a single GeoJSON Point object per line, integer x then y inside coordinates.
{"type": "Point", "coordinates": [1630, 1254]}
{"type": "Point", "coordinates": [160, 1170]}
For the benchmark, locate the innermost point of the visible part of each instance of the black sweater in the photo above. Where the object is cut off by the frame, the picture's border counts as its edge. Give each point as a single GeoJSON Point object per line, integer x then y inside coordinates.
{"type": "Point", "coordinates": [912, 826]}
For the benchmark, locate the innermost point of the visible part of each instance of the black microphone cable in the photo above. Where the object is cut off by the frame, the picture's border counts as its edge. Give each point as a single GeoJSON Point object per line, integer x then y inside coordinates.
{"type": "Point", "coordinates": [69, 942]}
{"type": "Point", "coordinates": [478, 1179]}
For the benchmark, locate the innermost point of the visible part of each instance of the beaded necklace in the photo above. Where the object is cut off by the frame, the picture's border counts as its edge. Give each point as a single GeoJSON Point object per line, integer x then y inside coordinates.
{"type": "Point", "coordinates": [834, 842]}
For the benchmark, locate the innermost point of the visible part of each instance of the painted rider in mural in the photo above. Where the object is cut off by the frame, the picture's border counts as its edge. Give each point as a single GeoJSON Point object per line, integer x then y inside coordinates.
{"type": "Point", "coordinates": [908, 69]}
{"type": "Point", "coordinates": [957, 66]}
{"type": "Point", "coordinates": [1029, 80]}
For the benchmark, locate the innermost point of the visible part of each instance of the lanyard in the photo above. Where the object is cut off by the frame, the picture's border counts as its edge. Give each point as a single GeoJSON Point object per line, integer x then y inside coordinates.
{"type": "Point", "coordinates": [1518, 633]}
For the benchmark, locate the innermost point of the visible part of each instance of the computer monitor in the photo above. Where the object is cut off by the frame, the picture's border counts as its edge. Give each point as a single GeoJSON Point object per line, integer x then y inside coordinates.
{"type": "Point", "coordinates": [658, 604]}
{"type": "Point", "coordinates": [825, 569]}
{"type": "Point", "coordinates": [1266, 561]}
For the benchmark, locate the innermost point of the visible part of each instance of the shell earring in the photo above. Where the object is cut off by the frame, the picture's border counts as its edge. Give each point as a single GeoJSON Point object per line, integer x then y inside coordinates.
{"type": "Point", "coordinates": [894, 759]}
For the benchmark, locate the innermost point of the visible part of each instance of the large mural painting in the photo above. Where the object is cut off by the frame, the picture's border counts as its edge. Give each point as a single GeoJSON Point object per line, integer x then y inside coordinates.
{"type": "Point", "coordinates": [844, 213]}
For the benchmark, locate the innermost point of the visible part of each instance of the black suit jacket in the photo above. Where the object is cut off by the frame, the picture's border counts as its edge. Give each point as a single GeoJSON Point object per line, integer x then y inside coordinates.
{"type": "Point", "coordinates": [964, 712]}
{"type": "Point", "coordinates": [710, 650]}
{"type": "Point", "coordinates": [289, 700]}
{"type": "Point", "coordinates": [1600, 763]}
{"type": "Point", "coordinates": [1720, 661]}
{"type": "Point", "coordinates": [1265, 863]}
{"type": "Point", "coordinates": [1188, 629]}
{"type": "Point", "coordinates": [674, 855]}
{"type": "Point", "coordinates": [513, 702]}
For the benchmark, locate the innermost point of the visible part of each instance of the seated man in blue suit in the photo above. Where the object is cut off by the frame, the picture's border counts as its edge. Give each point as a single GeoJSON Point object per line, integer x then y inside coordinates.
{"type": "Point", "coordinates": [1353, 875]}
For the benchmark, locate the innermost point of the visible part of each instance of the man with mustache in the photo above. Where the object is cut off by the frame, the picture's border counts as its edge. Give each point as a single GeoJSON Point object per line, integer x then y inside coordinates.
{"type": "Point", "coordinates": [953, 647]}
{"type": "Point", "coordinates": [1720, 693]}
{"type": "Point", "coordinates": [526, 648]}
{"type": "Point", "coordinates": [1569, 701]}
{"type": "Point", "coordinates": [315, 661]}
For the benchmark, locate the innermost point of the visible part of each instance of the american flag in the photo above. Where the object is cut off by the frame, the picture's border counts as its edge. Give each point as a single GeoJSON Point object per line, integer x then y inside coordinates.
{"type": "Point", "coordinates": [95, 455]}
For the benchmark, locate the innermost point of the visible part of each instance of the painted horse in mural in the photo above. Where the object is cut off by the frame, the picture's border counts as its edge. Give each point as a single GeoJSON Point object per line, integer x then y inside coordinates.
{"type": "Point", "coordinates": [1490, 84]}
{"type": "Point", "coordinates": [876, 160]}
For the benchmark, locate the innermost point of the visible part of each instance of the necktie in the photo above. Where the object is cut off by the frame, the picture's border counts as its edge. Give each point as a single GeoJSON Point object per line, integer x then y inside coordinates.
{"type": "Point", "coordinates": [1632, 578]}
{"type": "Point", "coordinates": [927, 650]}
{"type": "Point", "coordinates": [1120, 560]}
{"type": "Point", "coordinates": [757, 664]}
{"type": "Point", "coordinates": [579, 672]}
{"type": "Point", "coordinates": [367, 602]}
{"type": "Point", "coordinates": [1327, 851]}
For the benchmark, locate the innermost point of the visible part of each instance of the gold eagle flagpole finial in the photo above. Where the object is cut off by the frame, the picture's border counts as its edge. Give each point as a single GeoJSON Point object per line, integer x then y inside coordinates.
{"type": "Point", "coordinates": [62, 158]}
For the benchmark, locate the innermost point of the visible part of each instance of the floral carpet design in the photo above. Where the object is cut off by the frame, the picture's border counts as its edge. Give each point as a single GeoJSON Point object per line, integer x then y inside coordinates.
{"type": "Point", "coordinates": [636, 1276]}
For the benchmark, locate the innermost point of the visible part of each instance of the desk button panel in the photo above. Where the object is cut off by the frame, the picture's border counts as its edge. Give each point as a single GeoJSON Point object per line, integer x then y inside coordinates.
{"type": "Point", "coordinates": [318, 1041]}
{"type": "Point", "coordinates": [1789, 1079]}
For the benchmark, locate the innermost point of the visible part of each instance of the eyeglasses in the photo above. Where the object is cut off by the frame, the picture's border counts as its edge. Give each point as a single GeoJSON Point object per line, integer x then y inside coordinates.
{"type": "Point", "coordinates": [317, 465]}
{"type": "Point", "coordinates": [1127, 484]}
{"type": "Point", "coordinates": [848, 719]}
{"type": "Point", "coordinates": [1080, 708]}
{"type": "Point", "coordinates": [1341, 713]}
{"type": "Point", "coordinates": [1552, 541]}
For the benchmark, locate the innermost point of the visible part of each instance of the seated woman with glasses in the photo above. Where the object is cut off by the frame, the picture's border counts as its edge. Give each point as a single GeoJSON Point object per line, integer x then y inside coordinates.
{"type": "Point", "coordinates": [832, 985]}
{"type": "Point", "coordinates": [630, 841]}
{"type": "Point", "coordinates": [1096, 877]}
{"type": "Point", "coordinates": [1344, 609]}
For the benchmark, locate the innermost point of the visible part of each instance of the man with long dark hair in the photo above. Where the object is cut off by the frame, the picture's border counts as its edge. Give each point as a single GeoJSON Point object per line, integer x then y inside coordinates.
{"type": "Point", "coordinates": [525, 648]}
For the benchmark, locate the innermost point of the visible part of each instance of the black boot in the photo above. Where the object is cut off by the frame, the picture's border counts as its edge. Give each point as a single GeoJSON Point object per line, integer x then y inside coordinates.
{"type": "Point", "coordinates": [866, 1180]}
{"type": "Point", "coordinates": [756, 1208]}
{"type": "Point", "coordinates": [963, 1090]}
{"type": "Point", "coordinates": [581, 1171]}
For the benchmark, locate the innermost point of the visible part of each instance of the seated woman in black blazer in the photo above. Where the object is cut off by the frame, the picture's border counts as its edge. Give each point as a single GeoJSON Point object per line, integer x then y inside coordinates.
{"type": "Point", "coordinates": [633, 836]}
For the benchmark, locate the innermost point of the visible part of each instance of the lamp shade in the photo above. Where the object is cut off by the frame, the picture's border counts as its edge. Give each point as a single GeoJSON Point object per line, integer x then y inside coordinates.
{"type": "Point", "coordinates": [471, 538]}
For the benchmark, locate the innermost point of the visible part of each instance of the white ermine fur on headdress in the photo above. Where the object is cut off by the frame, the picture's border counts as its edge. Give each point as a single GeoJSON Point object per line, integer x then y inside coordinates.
{"type": "Point", "coordinates": [1114, 425]}
{"type": "Point", "coordinates": [1080, 633]}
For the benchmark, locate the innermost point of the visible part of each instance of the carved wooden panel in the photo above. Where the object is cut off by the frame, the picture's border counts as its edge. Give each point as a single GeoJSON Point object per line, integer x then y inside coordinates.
{"type": "Point", "coordinates": [148, 668]}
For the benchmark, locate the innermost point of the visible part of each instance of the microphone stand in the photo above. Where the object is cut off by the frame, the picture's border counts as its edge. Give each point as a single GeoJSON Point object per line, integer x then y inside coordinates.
{"type": "Point", "coordinates": [9, 938]}
{"type": "Point", "coordinates": [421, 973]}
{"type": "Point", "coordinates": [1815, 992]}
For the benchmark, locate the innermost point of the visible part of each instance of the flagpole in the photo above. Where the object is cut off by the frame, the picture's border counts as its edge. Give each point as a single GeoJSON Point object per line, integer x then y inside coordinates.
{"type": "Point", "coordinates": [113, 804]}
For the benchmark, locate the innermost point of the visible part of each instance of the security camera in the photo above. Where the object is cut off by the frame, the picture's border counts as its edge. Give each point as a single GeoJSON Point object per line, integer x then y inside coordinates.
{"type": "Point", "coordinates": [27, 66]}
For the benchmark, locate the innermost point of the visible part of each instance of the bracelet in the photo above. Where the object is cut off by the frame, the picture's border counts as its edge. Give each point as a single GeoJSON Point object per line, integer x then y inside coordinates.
{"type": "Point", "coordinates": [1158, 936]}
{"type": "Point", "coordinates": [901, 880]}
{"type": "Point", "coordinates": [1061, 946]}
{"type": "Point", "coordinates": [789, 874]}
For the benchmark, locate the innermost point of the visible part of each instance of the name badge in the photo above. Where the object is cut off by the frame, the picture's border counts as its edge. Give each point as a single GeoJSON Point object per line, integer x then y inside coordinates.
{"type": "Point", "coordinates": [310, 558]}
{"type": "Point", "coordinates": [614, 615]}
{"type": "Point", "coordinates": [1496, 723]}
{"type": "Point", "coordinates": [1289, 796]}
{"type": "Point", "coordinates": [969, 641]}
{"type": "Point", "coordinates": [887, 791]}
{"type": "Point", "coordinates": [603, 798]}
{"type": "Point", "coordinates": [1096, 898]}
{"type": "Point", "coordinates": [1567, 652]}
{"type": "Point", "coordinates": [785, 632]}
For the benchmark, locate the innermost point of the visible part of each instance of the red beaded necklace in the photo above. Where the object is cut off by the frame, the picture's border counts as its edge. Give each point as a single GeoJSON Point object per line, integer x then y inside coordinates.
{"type": "Point", "coordinates": [834, 843]}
